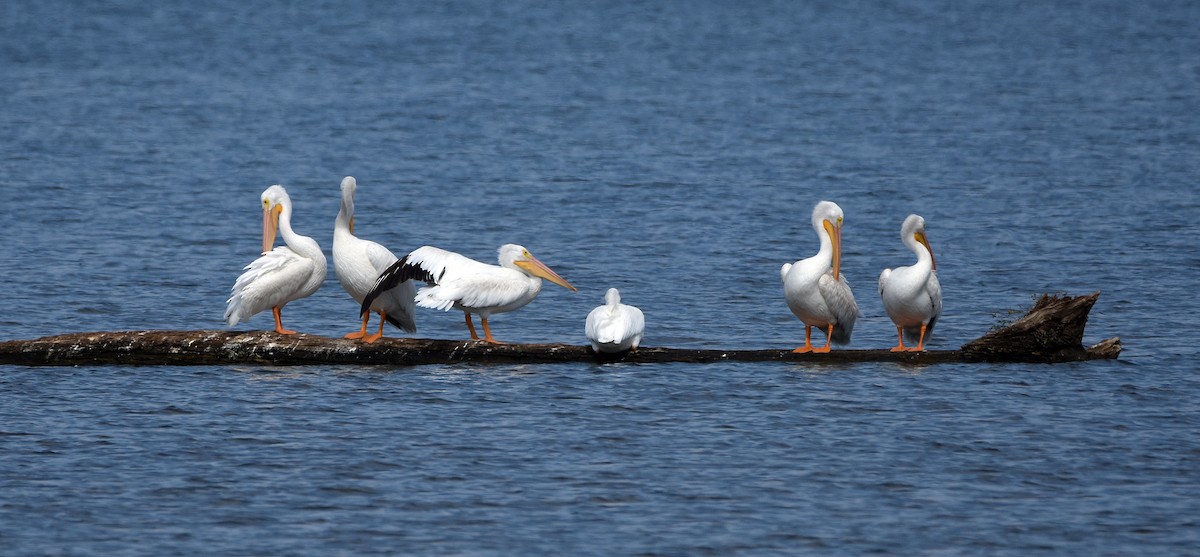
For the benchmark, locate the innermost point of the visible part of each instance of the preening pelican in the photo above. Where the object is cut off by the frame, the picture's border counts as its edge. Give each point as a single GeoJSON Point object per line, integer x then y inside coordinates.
{"type": "Point", "coordinates": [615, 327]}
{"type": "Point", "coordinates": [912, 295]}
{"type": "Point", "coordinates": [280, 275]}
{"type": "Point", "coordinates": [459, 282]}
{"type": "Point", "coordinates": [359, 262]}
{"type": "Point", "coordinates": [815, 290]}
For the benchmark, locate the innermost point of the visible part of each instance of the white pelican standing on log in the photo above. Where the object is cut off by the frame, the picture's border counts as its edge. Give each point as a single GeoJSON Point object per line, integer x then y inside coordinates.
{"type": "Point", "coordinates": [358, 263]}
{"type": "Point", "coordinates": [615, 327]}
{"type": "Point", "coordinates": [280, 275]}
{"type": "Point", "coordinates": [459, 282]}
{"type": "Point", "coordinates": [912, 296]}
{"type": "Point", "coordinates": [815, 289]}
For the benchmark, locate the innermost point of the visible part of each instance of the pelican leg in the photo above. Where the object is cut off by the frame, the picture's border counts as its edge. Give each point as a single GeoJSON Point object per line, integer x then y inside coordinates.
{"type": "Point", "coordinates": [899, 347]}
{"type": "Point", "coordinates": [828, 339]}
{"type": "Point", "coordinates": [487, 332]}
{"type": "Point", "coordinates": [363, 332]}
{"type": "Point", "coordinates": [920, 341]}
{"type": "Point", "coordinates": [372, 338]}
{"type": "Point", "coordinates": [808, 347]}
{"type": "Point", "coordinates": [279, 322]}
{"type": "Point", "coordinates": [471, 326]}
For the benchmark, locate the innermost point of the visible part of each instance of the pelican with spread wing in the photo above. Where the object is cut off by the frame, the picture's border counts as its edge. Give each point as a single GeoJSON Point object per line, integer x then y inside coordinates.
{"type": "Point", "coordinates": [455, 281]}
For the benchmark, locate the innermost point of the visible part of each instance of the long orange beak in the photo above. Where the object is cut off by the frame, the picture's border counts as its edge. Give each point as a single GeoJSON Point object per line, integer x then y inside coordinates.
{"type": "Point", "coordinates": [539, 269]}
{"type": "Point", "coordinates": [270, 225]}
{"type": "Point", "coordinates": [920, 236]}
{"type": "Point", "coordinates": [835, 235]}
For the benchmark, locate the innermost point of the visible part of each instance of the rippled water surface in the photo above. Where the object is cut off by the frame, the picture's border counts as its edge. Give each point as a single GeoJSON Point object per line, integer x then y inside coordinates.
{"type": "Point", "coordinates": [673, 151]}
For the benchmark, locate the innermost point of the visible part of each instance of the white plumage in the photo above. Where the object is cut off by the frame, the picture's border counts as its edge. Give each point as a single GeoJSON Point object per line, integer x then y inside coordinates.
{"type": "Point", "coordinates": [358, 264]}
{"type": "Point", "coordinates": [615, 327]}
{"type": "Point", "coordinates": [455, 281]}
{"type": "Point", "coordinates": [815, 290]}
{"type": "Point", "coordinates": [280, 275]}
{"type": "Point", "coordinates": [912, 296]}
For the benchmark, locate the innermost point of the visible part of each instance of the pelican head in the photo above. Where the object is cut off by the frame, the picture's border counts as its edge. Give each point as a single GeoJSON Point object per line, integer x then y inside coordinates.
{"type": "Point", "coordinates": [612, 297]}
{"type": "Point", "coordinates": [519, 258]}
{"type": "Point", "coordinates": [827, 217]}
{"type": "Point", "coordinates": [274, 200]}
{"type": "Point", "coordinates": [914, 228]}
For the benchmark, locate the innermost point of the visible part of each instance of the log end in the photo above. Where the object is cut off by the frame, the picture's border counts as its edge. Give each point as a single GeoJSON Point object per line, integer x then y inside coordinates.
{"type": "Point", "coordinates": [1107, 349]}
{"type": "Point", "coordinates": [1051, 331]}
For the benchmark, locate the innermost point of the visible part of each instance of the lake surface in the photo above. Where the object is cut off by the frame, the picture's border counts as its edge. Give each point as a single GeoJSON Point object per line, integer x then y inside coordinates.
{"type": "Point", "coordinates": [672, 150]}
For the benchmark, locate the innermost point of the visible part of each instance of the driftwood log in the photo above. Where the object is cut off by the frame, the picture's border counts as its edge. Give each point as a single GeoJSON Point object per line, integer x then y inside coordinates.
{"type": "Point", "coordinates": [1052, 331]}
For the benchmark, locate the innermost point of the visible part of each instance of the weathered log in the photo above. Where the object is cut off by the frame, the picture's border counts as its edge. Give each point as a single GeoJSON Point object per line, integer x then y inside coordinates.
{"type": "Point", "coordinates": [1051, 332]}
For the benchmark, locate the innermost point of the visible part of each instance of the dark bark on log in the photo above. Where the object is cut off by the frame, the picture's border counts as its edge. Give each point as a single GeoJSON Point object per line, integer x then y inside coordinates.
{"type": "Point", "coordinates": [1051, 332]}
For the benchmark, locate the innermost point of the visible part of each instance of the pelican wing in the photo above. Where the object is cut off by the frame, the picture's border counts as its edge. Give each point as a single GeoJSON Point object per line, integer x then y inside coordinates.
{"type": "Point", "coordinates": [399, 272]}
{"type": "Point", "coordinates": [934, 288]}
{"type": "Point", "coordinates": [275, 278]}
{"type": "Point", "coordinates": [397, 302]}
{"type": "Point", "coordinates": [443, 265]}
{"type": "Point", "coordinates": [436, 267]}
{"type": "Point", "coordinates": [840, 301]}
{"type": "Point", "coordinates": [637, 325]}
{"type": "Point", "coordinates": [380, 257]}
{"type": "Point", "coordinates": [494, 288]}
{"type": "Point", "coordinates": [597, 319]}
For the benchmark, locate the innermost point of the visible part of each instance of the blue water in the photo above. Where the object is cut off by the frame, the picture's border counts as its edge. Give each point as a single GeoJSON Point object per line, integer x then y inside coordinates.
{"type": "Point", "coordinates": [671, 150]}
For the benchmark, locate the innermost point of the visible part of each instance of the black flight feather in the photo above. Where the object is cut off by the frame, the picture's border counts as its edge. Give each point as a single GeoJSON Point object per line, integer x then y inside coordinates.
{"type": "Point", "coordinates": [392, 277]}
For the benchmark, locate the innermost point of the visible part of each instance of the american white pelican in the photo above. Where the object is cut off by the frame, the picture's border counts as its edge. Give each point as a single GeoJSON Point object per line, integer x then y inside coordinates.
{"type": "Point", "coordinates": [912, 295]}
{"type": "Point", "coordinates": [359, 262]}
{"type": "Point", "coordinates": [815, 289]}
{"type": "Point", "coordinates": [615, 327]}
{"type": "Point", "coordinates": [459, 282]}
{"type": "Point", "coordinates": [280, 275]}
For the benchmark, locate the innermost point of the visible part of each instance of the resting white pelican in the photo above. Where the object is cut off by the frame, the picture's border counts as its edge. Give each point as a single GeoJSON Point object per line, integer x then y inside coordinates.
{"type": "Point", "coordinates": [816, 291]}
{"type": "Point", "coordinates": [280, 275]}
{"type": "Point", "coordinates": [615, 327]}
{"type": "Point", "coordinates": [459, 282]}
{"type": "Point", "coordinates": [912, 295]}
{"type": "Point", "coordinates": [359, 262]}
